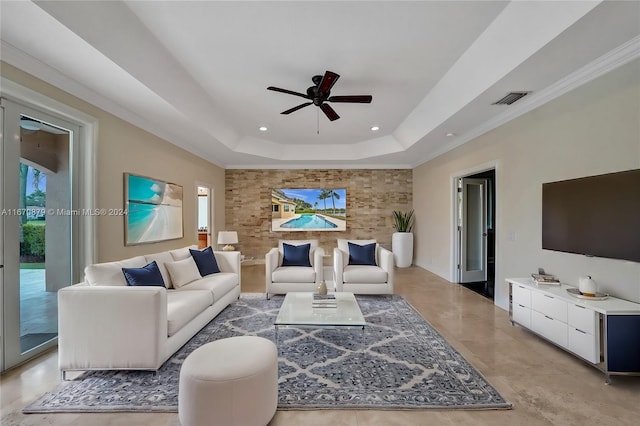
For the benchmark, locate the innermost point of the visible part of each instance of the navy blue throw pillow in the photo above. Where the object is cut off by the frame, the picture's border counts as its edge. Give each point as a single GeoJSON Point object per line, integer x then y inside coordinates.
{"type": "Point", "coordinates": [362, 255]}
{"type": "Point", "coordinates": [206, 261]}
{"type": "Point", "coordinates": [149, 275]}
{"type": "Point", "coordinates": [296, 255]}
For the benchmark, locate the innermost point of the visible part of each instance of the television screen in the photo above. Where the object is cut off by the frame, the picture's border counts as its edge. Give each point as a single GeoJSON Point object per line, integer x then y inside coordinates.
{"type": "Point", "coordinates": [308, 209]}
{"type": "Point", "coordinates": [595, 216]}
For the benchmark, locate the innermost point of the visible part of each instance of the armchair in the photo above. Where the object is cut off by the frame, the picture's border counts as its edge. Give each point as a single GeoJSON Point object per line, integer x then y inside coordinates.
{"type": "Point", "coordinates": [286, 270]}
{"type": "Point", "coordinates": [361, 278]}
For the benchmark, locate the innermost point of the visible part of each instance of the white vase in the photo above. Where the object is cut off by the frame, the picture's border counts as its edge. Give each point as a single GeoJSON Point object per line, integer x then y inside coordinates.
{"type": "Point", "coordinates": [402, 248]}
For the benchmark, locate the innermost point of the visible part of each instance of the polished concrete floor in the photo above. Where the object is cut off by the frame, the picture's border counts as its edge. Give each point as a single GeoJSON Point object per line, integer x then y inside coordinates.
{"type": "Point", "coordinates": [545, 385]}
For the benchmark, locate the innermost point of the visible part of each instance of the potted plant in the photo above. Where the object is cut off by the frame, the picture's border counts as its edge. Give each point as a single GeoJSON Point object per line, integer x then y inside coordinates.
{"type": "Point", "coordinates": [402, 239]}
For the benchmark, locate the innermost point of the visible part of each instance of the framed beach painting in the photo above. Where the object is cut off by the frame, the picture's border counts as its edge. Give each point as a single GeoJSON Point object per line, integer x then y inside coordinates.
{"type": "Point", "coordinates": [154, 210]}
{"type": "Point", "coordinates": [315, 209]}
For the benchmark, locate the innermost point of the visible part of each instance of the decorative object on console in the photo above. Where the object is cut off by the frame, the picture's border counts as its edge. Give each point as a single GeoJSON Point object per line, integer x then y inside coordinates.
{"type": "Point", "coordinates": [154, 210]}
{"type": "Point", "coordinates": [227, 238]}
{"type": "Point", "coordinates": [402, 240]}
{"type": "Point", "coordinates": [587, 286]}
{"type": "Point", "coordinates": [580, 295]}
{"type": "Point", "coordinates": [546, 279]}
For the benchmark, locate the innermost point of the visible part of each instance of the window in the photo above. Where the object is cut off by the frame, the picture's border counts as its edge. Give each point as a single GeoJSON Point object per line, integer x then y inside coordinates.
{"type": "Point", "coordinates": [286, 207]}
{"type": "Point", "coordinates": [276, 208]}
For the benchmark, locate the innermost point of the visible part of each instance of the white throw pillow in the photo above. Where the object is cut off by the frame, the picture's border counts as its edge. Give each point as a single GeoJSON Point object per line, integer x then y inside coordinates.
{"type": "Point", "coordinates": [183, 271]}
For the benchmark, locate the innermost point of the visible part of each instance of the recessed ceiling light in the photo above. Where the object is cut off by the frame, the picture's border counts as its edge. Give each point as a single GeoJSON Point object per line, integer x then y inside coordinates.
{"type": "Point", "coordinates": [450, 134]}
{"type": "Point", "coordinates": [263, 129]}
{"type": "Point", "coordinates": [375, 128]}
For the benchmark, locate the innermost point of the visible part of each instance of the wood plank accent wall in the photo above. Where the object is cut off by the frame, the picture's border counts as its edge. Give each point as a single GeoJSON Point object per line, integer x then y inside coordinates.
{"type": "Point", "coordinates": [372, 195]}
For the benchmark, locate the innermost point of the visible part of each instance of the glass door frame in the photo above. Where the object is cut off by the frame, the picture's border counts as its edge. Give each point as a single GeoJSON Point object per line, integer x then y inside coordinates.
{"type": "Point", "coordinates": [16, 100]}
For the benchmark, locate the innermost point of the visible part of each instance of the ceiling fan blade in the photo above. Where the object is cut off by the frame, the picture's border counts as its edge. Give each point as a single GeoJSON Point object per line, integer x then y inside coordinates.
{"type": "Point", "coordinates": [329, 112]}
{"type": "Point", "coordinates": [288, 92]}
{"type": "Point", "coordinates": [295, 108]}
{"type": "Point", "coordinates": [361, 99]}
{"type": "Point", "coordinates": [327, 81]}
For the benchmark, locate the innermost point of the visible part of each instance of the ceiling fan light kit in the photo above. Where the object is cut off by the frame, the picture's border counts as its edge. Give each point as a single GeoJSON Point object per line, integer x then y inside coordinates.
{"type": "Point", "coordinates": [320, 93]}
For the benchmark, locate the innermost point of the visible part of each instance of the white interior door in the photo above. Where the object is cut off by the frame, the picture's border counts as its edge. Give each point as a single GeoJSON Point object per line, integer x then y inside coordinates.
{"type": "Point", "coordinates": [473, 231]}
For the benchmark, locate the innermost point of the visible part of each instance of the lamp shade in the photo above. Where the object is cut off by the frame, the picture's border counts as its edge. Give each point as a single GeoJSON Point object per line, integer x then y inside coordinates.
{"type": "Point", "coordinates": [227, 237]}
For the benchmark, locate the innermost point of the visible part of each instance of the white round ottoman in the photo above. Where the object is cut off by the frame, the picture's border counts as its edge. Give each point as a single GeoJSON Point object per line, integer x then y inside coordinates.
{"type": "Point", "coordinates": [229, 382]}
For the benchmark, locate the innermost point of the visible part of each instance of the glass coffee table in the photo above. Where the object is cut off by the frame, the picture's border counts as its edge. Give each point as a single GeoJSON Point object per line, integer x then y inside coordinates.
{"type": "Point", "coordinates": [298, 311]}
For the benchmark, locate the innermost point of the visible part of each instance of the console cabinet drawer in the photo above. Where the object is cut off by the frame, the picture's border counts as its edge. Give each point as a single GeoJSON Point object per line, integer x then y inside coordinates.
{"type": "Point", "coordinates": [582, 318]}
{"type": "Point", "coordinates": [583, 344]}
{"type": "Point", "coordinates": [521, 315]}
{"type": "Point", "coordinates": [549, 305]}
{"type": "Point", "coordinates": [550, 328]}
{"type": "Point", "coordinates": [521, 295]}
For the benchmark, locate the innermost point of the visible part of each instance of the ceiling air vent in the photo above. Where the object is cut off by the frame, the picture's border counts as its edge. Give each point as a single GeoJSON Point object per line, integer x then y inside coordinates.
{"type": "Point", "coordinates": [511, 98]}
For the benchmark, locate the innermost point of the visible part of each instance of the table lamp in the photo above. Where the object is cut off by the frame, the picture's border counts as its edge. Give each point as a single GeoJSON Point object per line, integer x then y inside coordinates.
{"type": "Point", "coordinates": [228, 238]}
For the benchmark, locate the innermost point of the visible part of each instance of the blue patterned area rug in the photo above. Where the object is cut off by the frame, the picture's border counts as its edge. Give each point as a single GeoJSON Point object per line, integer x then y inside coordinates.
{"type": "Point", "coordinates": [400, 362]}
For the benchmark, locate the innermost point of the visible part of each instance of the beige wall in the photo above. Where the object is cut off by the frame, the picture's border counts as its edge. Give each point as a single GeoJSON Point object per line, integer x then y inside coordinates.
{"type": "Point", "coordinates": [372, 195]}
{"type": "Point", "coordinates": [592, 130]}
{"type": "Point", "coordinates": [121, 148]}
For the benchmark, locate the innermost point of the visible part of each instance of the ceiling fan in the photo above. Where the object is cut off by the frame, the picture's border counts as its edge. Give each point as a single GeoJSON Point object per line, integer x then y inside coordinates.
{"type": "Point", "coordinates": [320, 93]}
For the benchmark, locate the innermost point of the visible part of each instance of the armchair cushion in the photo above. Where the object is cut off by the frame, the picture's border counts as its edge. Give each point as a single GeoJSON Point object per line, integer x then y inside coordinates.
{"type": "Point", "coordinates": [206, 261]}
{"type": "Point", "coordinates": [293, 274]}
{"type": "Point", "coordinates": [145, 276]}
{"type": "Point", "coordinates": [365, 274]}
{"type": "Point", "coordinates": [296, 255]}
{"type": "Point", "coordinates": [362, 254]}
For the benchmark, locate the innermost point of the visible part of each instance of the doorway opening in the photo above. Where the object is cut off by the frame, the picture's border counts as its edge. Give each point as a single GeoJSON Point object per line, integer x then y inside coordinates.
{"type": "Point", "coordinates": [475, 222]}
{"type": "Point", "coordinates": [204, 217]}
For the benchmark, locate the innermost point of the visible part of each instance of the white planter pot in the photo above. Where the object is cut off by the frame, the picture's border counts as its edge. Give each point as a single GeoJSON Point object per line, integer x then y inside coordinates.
{"type": "Point", "coordinates": [402, 248]}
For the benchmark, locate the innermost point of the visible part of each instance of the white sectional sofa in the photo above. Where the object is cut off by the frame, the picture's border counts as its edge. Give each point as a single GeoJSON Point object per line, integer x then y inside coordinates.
{"type": "Point", "coordinates": [104, 324]}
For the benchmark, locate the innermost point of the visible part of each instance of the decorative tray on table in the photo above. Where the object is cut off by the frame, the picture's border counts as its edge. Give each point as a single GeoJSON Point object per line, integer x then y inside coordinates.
{"type": "Point", "coordinates": [598, 296]}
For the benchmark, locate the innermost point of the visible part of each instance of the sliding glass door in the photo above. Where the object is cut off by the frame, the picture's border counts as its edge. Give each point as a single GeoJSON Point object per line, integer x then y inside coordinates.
{"type": "Point", "coordinates": [37, 222]}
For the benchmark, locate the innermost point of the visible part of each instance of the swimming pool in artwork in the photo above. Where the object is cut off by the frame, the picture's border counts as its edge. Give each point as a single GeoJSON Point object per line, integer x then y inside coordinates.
{"type": "Point", "coordinates": [307, 221]}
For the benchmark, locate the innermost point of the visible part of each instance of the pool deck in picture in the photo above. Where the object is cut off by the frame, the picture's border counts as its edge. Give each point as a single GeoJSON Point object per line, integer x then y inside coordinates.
{"type": "Point", "coordinates": [341, 224]}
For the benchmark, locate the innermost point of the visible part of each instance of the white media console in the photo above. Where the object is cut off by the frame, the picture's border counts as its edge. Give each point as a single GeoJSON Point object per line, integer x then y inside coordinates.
{"type": "Point", "coordinates": [605, 333]}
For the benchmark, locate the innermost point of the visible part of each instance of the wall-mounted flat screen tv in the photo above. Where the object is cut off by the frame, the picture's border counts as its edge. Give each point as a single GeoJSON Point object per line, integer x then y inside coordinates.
{"type": "Point", "coordinates": [595, 216]}
{"type": "Point", "coordinates": [316, 209]}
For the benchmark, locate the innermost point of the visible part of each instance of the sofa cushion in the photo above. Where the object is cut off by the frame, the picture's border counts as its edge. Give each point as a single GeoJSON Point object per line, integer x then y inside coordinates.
{"type": "Point", "coordinates": [182, 253]}
{"type": "Point", "coordinates": [364, 274]}
{"type": "Point", "coordinates": [218, 284]}
{"type": "Point", "coordinates": [206, 261]}
{"type": "Point", "coordinates": [183, 271]}
{"type": "Point", "coordinates": [296, 255]}
{"type": "Point", "coordinates": [110, 273]}
{"type": "Point", "coordinates": [183, 306]}
{"type": "Point", "coordinates": [293, 274]}
{"type": "Point", "coordinates": [362, 254]}
{"type": "Point", "coordinates": [162, 259]}
{"type": "Point", "coordinates": [148, 275]}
